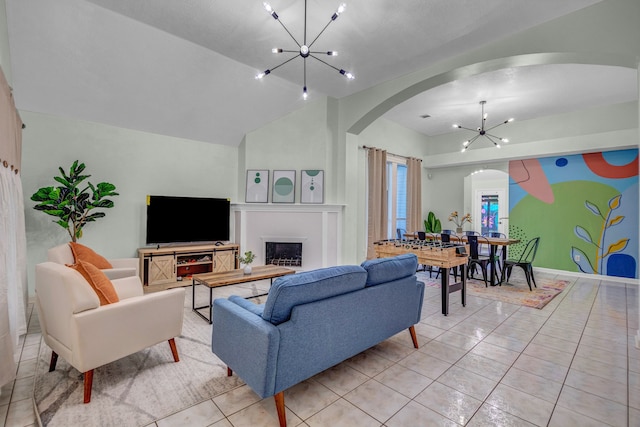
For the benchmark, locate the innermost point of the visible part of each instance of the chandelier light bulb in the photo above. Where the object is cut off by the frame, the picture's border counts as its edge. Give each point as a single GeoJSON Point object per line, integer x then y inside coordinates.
{"type": "Point", "coordinates": [332, 53]}
{"type": "Point", "coordinates": [305, 94]}
{"type": "Point", "coordinates": [504, 139]}
{"type": "Point", "coordinates": [464, 144]}
{"type": "Point", "coordinates": [267, 7]}
{"type": "Point", "coordinates": [337, 13]}
{"type": "Point", "coordinates": [347, 74]}
{"type": "Point", "coordinates": [276, 50]}
{"type": "Point", "coordinates": [456, 126]}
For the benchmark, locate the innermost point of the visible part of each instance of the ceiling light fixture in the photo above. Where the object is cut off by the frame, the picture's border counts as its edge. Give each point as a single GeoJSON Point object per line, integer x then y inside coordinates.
{"type": "Point", "coordinates": [483, 132]}
{"type": "Point", "coordinates": [304, 50]}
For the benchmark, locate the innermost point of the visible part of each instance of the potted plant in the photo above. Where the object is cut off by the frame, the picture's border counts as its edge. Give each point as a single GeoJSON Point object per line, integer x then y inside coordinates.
{"type": "Point", "coordinates": [247, 259]}
{"type": "Point", "coordinates": [432, 224]}
{"type": "Point", "coordinates": [72, 205]}
{"type": "Point", "coordinates": [459, 221]}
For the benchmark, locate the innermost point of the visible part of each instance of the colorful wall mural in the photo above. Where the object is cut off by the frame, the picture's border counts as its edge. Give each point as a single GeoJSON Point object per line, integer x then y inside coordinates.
{"type": "Point", "coordinates": [584, 207]}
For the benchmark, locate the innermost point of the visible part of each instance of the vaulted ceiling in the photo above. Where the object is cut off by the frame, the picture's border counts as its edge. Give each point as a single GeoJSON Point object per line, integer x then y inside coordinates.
{"type": "Point", "coordinates": [186, 68]}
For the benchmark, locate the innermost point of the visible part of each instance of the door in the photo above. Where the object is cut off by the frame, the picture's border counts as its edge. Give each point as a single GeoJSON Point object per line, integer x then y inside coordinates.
{"type": "Point", "coordinates": [490, 211]}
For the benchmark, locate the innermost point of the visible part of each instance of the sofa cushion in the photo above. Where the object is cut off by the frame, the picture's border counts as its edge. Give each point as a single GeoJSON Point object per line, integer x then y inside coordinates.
{"type": "Point", "coordinates": [84, 253]}
{"type": "Point", "coordinates": [301, 288]}
{"type": "Point", "coordinates": [382, 270]}
{"type": "Point", "coordinates": [98, 281]}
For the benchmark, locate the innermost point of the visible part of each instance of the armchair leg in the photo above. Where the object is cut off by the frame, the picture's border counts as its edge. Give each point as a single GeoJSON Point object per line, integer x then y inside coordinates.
{"type": "Point", "coordinates": [282, 416]}
{"type": "Point", "coordinates": [174, 349]}
{"type": "Point", "coordinates": [54, 360]}
{"type": "Point", "coordinates": [88, 381]}
{"type": "Point", "coordinates": [229, 371]}
{"type": "Point", "coordinates": [414, 338]}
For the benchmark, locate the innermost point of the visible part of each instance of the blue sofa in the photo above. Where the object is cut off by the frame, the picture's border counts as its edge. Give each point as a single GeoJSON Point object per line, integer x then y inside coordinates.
{"type": "Point", "coordinates": [314, 320]}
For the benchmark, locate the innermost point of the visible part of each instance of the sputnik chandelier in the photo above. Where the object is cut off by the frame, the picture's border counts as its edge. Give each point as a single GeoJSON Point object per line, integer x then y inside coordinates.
{"type": "Point", "coordinates": [483, 132]}
{"type": "Point", "coordinates": [304, 50]}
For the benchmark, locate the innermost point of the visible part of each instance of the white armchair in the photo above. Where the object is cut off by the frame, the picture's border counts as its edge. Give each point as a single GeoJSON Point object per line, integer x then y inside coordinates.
{"type": "Point", "coordinates": [122, 267]}
{"type": "Point", "coordinates": [88, 335]}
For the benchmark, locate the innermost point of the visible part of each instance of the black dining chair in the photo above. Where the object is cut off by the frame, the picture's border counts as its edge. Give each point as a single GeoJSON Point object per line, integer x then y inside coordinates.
{"type": "Point", "coordinates": [475, 259]}
{"type": "Point", "coordinates": [500, 255]}
{"type": "Point", "coordinates": [422, 235]}
{"type": "Point", "coordinates": [525, 261]}
{"type": "Point", "coordinates": [448, 232]}
{"type": "Point", "coordinates": [400, 233]}
{"type": "Point", "coordinates": [471, 233]}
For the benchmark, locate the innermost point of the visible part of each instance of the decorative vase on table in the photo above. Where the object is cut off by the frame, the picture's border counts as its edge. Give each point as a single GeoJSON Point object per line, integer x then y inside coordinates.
{"type": "Point", "coordinates": [247, 269]}
{"type": "Point", "coordinates": [459, 230]}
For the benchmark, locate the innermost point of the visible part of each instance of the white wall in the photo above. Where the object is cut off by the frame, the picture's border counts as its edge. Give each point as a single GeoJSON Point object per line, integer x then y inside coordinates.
{"type": "Point", "coordinates": [137, 163]}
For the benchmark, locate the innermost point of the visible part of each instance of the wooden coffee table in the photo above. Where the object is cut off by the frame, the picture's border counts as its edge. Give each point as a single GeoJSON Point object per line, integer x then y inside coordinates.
{"type": "Point", "coordinates": [232, 277]}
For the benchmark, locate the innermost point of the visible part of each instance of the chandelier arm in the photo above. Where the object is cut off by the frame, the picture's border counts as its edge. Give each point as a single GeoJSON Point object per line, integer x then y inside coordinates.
{"type": "Point", "coordinates": [462, 127]}
{"type": "Point", "coordinates": [289, 32]}
{"type": "Point", "coordinates": [320, 33]}
{"type": "Point", "coordinates": [499, 124]}
{"type": "Point", "coordinates": [471, 141]}
{"type": "Point", "coordinates": [281, 64]}
{"type": "Point", "coordinates": [490, 139]}
{"type": "Point", "coordinates": [493, 136]}
{"type": "Point", "coordinates": [325, 63]}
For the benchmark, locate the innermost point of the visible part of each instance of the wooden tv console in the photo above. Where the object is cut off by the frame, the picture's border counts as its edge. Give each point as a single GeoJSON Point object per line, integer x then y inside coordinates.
{"type": "Point", "coordinates": [168, 264]}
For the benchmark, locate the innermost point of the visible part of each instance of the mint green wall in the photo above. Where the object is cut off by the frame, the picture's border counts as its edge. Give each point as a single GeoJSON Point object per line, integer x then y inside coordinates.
{"type": "Point", "coordinates": [137, 163]}
{"type": "Point", "coordinates": [300, 140]}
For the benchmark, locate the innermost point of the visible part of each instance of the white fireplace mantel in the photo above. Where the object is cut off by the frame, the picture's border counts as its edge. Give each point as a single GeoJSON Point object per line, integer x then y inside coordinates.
{"type": "Point", "coordinates": [318, 226]}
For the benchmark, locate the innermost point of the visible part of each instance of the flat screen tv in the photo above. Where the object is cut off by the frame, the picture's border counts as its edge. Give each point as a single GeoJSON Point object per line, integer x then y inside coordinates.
{"type": "Point", "coordinates": [173, 219]}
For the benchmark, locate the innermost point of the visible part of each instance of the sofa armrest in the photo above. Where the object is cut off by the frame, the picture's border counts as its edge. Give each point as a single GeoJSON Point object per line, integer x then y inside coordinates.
{"type": "Point", "coordinates": [256, 309]}
{"type": "Point", "coordinates": [113, 331]}
{"type": "Point", "coordinates": [247, 343]}
{"type": "Point", "coordinates": [127, 263]}
{"type": "Point", "coordinates": [128, 287]}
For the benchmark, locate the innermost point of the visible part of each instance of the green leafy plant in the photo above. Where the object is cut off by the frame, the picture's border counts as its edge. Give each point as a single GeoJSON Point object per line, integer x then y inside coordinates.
{"type": "Point", "coordinates": [432, 224]}
{"type": "Point", "coordinates": [247, 258]}
{"type": "Point", "coordinates": [72, 205]}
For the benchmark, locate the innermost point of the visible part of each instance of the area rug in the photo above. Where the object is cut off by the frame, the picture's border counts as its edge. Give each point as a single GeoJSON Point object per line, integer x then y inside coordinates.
{"type": "Point", "coordinates": [515, 292]}
{"type": "Point", "coordinates": [138, 389]}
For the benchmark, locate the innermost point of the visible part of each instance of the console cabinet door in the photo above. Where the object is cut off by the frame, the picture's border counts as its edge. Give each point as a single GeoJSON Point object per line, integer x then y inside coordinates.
{"type": "Point", "coordinates": [224, 260]}
{"type": "Point", "coordinates": [162, 269]}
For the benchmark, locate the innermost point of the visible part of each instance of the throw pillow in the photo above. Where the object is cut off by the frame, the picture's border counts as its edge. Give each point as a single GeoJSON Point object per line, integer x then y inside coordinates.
{"type": "Point", "coordinates": [84, 253]}
{"type": "Point", "coordinates": [98, 281]}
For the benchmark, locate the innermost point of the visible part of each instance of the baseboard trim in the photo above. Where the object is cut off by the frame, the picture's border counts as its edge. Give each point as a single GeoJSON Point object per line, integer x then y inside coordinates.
{"type": "Point", "coordinates": [588, 276]}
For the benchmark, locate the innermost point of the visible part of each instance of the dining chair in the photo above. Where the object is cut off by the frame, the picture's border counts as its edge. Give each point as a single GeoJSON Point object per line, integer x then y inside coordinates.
{"type": "Point", "coordinates": [471, 233]}
{"type": "Point", "coordinates": [448, 232]}
{"type": "Point", "coordinates": [500, 255]}
{"type": "Point", "coordinates": [525, 261]}
{"type": "Point", "coordinates": [422, 235]}
{"type": "Point", "coordinates": [475, 259]}
{"type": "Point", "coordinates": [400, 232]}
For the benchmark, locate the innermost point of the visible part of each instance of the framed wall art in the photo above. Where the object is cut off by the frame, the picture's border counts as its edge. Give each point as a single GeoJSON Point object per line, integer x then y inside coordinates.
{"type": "Point", "coordinates": [312, 186]}
{"type": "Point", "coordinates": [257, 186]}
{"type": "Point", "coordinates": [284, 186]}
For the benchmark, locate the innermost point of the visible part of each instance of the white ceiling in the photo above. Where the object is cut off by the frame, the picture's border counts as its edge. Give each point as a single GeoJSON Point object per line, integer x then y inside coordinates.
{"type": "Point", "coordinates": [186, 68]}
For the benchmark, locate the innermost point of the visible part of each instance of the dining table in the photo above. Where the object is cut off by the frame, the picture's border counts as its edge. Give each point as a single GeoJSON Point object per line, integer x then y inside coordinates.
{"type": "Point", "coordinates": [493, 242]}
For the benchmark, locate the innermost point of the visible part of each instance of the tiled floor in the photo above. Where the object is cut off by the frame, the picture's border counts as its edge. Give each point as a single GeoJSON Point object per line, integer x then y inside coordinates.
{"type": "Point", "coordinates": [573, 363]}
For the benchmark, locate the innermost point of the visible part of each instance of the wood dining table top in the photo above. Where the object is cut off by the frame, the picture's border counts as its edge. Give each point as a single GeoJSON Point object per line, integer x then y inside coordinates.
{"type": "Point", "coordinates": [494, 241]}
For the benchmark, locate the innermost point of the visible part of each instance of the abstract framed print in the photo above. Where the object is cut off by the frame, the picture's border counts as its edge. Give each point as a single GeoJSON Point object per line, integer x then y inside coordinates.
{"type": "Point", "coordinates": [257, 186]}
{"type": "Point", "coordinates": [284, 186]}
{"type": "Point", "coordinates": [312, 186]}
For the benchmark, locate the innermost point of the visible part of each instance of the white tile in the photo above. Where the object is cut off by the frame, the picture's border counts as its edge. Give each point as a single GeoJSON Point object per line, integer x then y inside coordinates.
{"type": "Point", "coordinates": [341, 379]}
{"type": "Point", "coordinates": [408, 416]}
{"type": "Point", "coordinates": [451, 403]}
{"type": "Point", "coordinates": [200, 415]}
{"type": "Point", "coordinates": [403, 380]}
{"type": "Point", "coordinates": [563, 417]}
{"type": "Point", "coordinates": [236, 400]}
{"type": "Point", "coordinates": [424, 364]}
{"type": "Point", "coordinates": [467, 382]}
{"type": "Point", "coordinates": [263, 414]}
{"type": "Point", "coordinates": [377, 400]}
{"type": "Point", "coordinates": [341, 414]}
{"type": "Point", "coordinates": [489, 415]}
{"type": "Point", "coordinates": [308, 397]}
{"type": "Point", "coordinates": [520, 404]}
{"type": "Point", "coordinates": [532, 384]}
{"type": "Point", "coordinates": [590, 405]}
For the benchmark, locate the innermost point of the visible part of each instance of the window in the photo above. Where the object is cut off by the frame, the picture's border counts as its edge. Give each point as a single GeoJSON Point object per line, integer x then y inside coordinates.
{"type": "Point", "coordinates": [396, 195]}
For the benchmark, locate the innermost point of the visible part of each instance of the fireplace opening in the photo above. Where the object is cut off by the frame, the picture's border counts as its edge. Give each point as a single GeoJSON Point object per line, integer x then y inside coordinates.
{"type": "Point", "coordinates": [284, 254]}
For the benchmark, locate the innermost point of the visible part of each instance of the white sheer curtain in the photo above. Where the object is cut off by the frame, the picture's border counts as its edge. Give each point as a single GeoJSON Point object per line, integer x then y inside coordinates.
{"type": "Point", "coordinates": [377, 198]}
{"type": "Point", "coordinates": [414, 194]}
{"type": "Point", "coordinates": [13, 260]}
